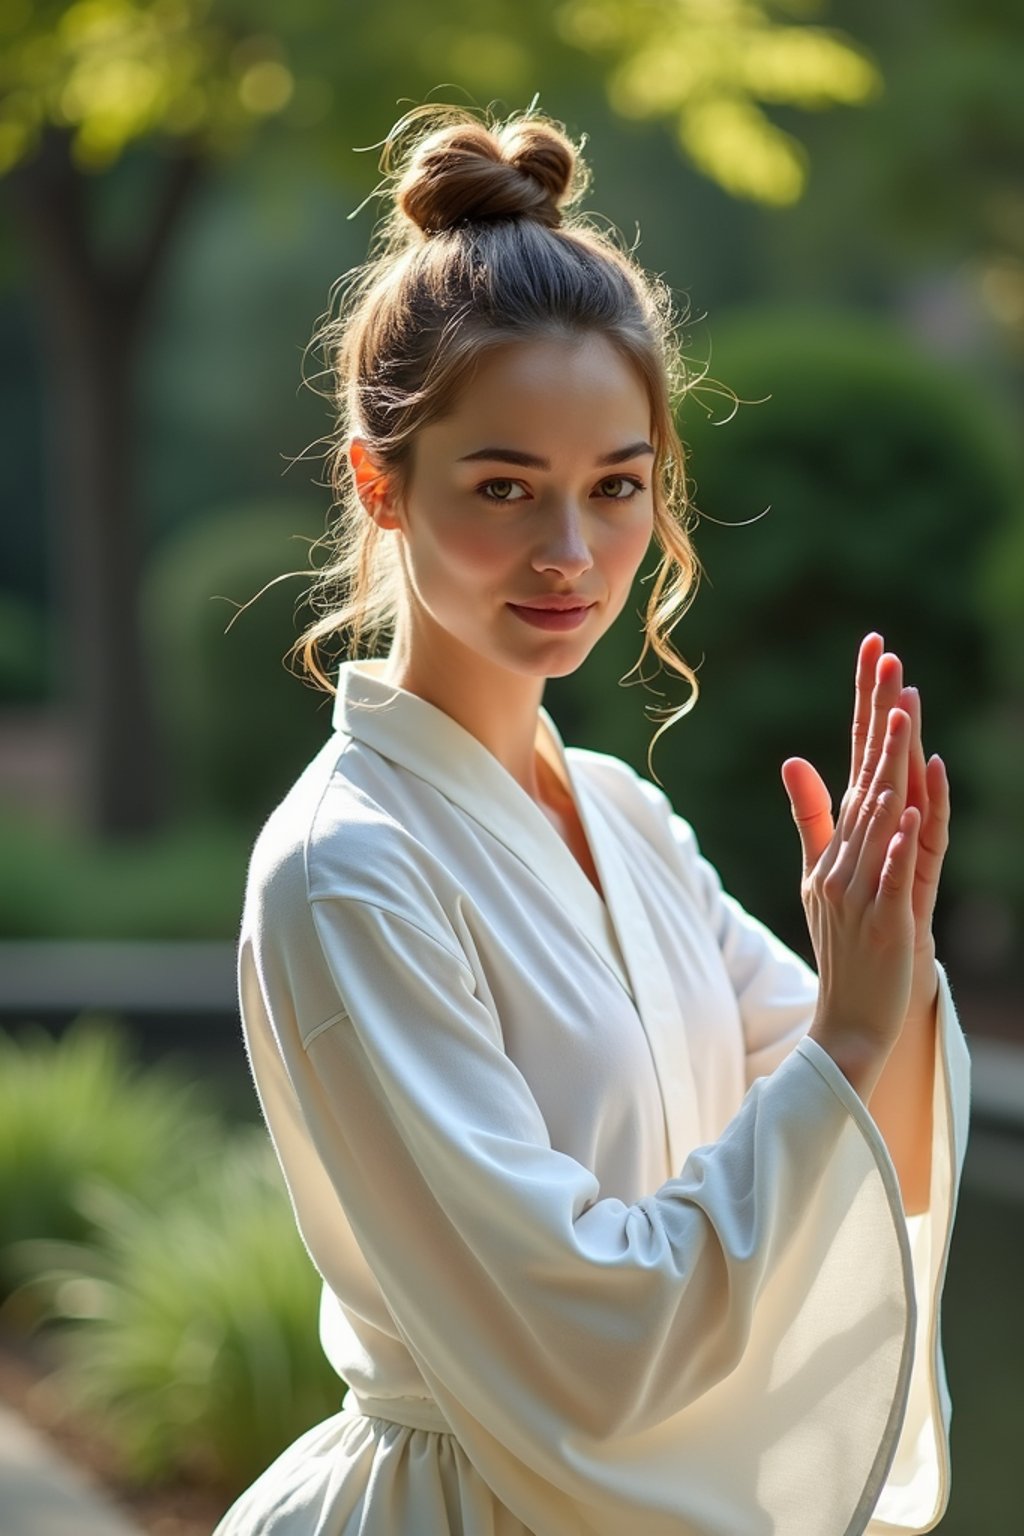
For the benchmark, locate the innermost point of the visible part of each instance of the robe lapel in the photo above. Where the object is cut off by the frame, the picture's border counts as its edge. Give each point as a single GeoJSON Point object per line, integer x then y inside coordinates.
{"type": "Point", "coordinates": [653, 992]}
{"type": "Point", "coordinates": [423, 739]}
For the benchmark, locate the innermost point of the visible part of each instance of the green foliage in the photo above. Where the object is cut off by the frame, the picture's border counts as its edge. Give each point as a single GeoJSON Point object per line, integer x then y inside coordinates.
{"type": "Point", "coordinates": [984, 1351]}
{"type": "Point", "coordinates": [190, 1327]}
{"type": "Point", "coordinates": [112, 73]}
{"type": "Point", "coordinates": [935, 157]}
{"type": "Point", "coordinates": [885, 483]}
{"type": "Point", "coordinates": [115, 71]}
{"type": "Point", "coordinates": [240, 725]}
{"type": "Point", "coordinates": [185, 882]}
{"type": "Point", "coordinates": [24, 652]}
{"type": "Point", "coordinates": [158, 1253]}
{"type": "Point", "coordinates": [74, 1112]}
{"type": "Point", "coordinates": [988, 849]}
{"type": "Point", "coordinates": [1002, 599]}
{"type": "Point", "coordinates": [708, 69]}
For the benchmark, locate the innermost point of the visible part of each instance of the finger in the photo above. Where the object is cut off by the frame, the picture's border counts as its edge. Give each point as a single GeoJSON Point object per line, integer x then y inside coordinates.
{"type": "Point", "coordinates": [893, 770]}
{"type": "Point", "coordinates": [811, 806]}
{"type": "Point", "coordinates": [933, 842]}
{"type": "Point", "coordinates": [897, 871]}
{"type": "Point", "coordinates": [935, 829]}
{"type": "Point", "coordinates": [917, 784]}
{"type": "Point", "coordinates": [876, 834]}
{"type": "Point", "coordinates": [890, 783]}
{"type": "Point", "coordinates": [871, 648]}
{"type": "Point", "coordinates": [888, 681]}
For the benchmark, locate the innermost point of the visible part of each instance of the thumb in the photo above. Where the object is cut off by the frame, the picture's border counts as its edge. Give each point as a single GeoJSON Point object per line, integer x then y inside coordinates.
{"type": "Point", "coordinates": [811, 805]}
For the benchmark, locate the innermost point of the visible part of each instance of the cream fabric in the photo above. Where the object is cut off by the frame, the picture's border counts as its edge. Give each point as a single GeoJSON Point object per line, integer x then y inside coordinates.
{"type": "Point", "coordinates": [609, 1247]}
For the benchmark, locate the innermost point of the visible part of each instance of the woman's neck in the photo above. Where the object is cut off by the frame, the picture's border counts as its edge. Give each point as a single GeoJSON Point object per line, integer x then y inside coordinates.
{"type": "Point", "coordinates": [498, 707]}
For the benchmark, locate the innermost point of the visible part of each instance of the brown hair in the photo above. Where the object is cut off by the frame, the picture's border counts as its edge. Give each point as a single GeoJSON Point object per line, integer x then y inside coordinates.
{"type": "Point", "coordinates": [477, 251]}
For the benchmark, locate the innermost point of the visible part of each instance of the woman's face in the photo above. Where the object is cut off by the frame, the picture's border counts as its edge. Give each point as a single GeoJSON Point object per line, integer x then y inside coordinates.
{"type": "Point", "coordinates": [537, 483]}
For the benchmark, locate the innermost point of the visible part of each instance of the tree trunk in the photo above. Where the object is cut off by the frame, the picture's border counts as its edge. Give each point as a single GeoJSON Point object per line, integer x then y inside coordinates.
{"type": "Point", "coordinates": [91, 319]}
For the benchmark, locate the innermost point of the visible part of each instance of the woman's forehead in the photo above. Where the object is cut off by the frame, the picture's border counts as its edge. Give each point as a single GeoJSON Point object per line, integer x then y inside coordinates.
{"type": "Point", "coordinates": [548, 391]}
{"type": "Point", "coordinates": [557, 361]}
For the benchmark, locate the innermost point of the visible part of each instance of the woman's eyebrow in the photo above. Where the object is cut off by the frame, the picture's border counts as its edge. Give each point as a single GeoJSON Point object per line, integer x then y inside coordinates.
{"type": "Point", "coordinates": [531, 461]}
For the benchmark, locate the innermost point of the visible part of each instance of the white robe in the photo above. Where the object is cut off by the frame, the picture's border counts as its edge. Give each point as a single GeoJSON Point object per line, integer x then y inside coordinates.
{"type": "Point", "coordinates": [609, 1248]}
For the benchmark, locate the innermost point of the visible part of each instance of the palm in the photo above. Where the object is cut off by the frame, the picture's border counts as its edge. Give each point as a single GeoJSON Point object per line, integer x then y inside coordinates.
{"type": "Point", "coordinates": [879, 689]}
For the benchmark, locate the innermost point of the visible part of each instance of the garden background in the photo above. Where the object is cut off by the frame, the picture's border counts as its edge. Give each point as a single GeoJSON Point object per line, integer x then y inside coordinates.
{"type": "Point", "coordinates": [833, 191]}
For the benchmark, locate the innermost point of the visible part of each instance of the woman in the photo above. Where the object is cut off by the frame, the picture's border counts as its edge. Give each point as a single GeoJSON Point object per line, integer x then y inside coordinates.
{"type": "Point", "coordinates": [628, 1224]}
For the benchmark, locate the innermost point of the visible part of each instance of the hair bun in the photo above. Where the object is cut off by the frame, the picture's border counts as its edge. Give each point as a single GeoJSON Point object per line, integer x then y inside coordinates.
{"type": "Point", "coordinates": [465, 171]}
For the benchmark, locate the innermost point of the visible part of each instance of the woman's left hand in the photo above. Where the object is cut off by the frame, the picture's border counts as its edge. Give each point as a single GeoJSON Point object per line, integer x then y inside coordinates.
{"type": "Point", "coordinates": [879, 688]}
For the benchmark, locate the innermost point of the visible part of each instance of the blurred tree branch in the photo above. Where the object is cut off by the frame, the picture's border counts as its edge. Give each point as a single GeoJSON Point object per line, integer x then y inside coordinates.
{"type": "Point", "coordinates": [708, 69]}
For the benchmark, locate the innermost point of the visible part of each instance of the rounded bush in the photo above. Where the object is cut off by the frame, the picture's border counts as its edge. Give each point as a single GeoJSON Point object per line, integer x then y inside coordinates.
{"type": "Point", "coordinates": [239, 725]}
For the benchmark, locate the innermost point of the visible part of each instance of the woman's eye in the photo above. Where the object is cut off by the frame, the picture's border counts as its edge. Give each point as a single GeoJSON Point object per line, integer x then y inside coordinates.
{"type": "Point", "coordinates": [632, 487]}
{"type": "Point", "coordinates": [500, 490]}
{"type": "Point", "coordinates": [614, 488]}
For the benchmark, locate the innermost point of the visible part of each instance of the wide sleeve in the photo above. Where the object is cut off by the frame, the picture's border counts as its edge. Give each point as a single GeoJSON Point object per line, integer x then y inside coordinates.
{"type": "Point", "coordinates": [917, 1490]}
{"type": "Point", "coordinates": [704, 1351]}
{"type": "Point", "coordinates": [776, 992]}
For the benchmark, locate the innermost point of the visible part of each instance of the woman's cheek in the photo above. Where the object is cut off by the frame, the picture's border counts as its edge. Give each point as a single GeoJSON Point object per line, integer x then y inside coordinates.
{"type": "Point", "coordinates": [477, 544]}
{"type": "Point", "coordinates": [627, 544]}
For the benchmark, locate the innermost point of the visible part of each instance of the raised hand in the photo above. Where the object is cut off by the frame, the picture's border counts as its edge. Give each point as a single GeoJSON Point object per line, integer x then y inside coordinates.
{"type": "Point", "coordinates": [879, 688]}
{"type": "Point", "coordinates": [869, 882]}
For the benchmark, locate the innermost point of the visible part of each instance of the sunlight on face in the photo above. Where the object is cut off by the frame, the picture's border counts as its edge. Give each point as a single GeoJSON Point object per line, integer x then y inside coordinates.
{"type": "Point", "coordinates": [538, 482]}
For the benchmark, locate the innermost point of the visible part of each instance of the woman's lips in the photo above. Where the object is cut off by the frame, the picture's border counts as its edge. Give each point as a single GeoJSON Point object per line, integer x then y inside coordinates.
{"type": "Point", "coordinates": [553, 618]}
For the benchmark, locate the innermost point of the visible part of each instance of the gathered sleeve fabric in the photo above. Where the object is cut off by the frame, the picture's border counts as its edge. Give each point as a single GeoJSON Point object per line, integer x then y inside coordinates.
{"type": "Point", "coordinates": [730, 1353]}
{"type": "Point", "coordinates": [776, 992]}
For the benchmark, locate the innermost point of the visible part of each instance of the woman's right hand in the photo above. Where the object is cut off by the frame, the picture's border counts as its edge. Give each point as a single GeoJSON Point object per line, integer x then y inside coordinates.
{"type": "Point", "coordinates": [857, 896]}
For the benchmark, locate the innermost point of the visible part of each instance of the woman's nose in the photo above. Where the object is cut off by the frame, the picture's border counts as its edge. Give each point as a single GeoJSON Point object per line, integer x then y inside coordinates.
{"type": "Point", "coordinates": [563, 545]}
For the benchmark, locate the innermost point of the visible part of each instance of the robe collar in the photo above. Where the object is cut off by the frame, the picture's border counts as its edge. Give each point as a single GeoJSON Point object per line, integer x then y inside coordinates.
{"type": "Point", "coordinates": [422, 738]}
{"type": "Point", "coordinates": [426, 741]}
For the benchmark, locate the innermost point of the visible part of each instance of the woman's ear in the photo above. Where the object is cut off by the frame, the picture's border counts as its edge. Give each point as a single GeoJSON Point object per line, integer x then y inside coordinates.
{"type": "Point", "coordinates": [372, 486]}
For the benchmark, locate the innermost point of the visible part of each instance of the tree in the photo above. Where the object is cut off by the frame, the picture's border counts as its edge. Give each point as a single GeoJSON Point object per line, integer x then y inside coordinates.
{"type": "Point", "coordinates": [84, 84]}
{"type": "Point", "coordinates": [113, 111]}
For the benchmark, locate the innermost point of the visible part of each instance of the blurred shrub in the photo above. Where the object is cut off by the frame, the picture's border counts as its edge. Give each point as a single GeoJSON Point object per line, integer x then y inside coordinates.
{"type": "Point", "coordinates": [24, 652]}
{"type": "Point", "coordinates": [984, 1355]}
{"type": "Point", "coordinates": [1002, 594]}
{"type": "Point", "coordinates": [990, 838]}
{"type": "Point", "coordinates": [185, 882]}
{"type": "Point", "coordinates": [238, 723]}
{"type": "Point", "coordinates": [887, 481]}
{"type": "Point", "coordinates": [191, 1328]}
{"type": "Point", "coordinates": [76, 1110]}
